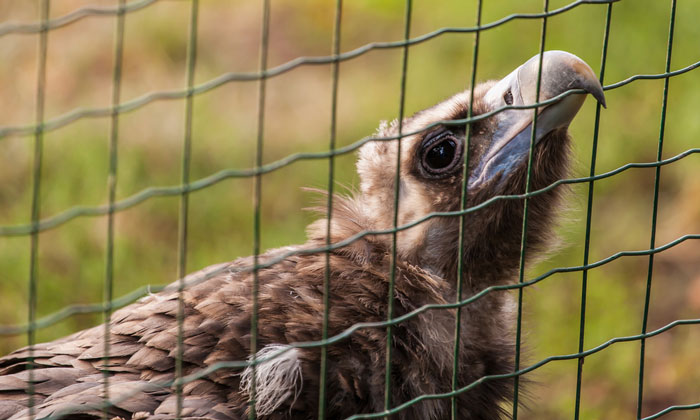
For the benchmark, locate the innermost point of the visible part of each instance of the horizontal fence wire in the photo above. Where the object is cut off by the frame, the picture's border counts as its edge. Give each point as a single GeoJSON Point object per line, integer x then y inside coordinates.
{"type": "Point", "coordinates": [272, 72]}
{"type": "Point", "coordinates": [38, 225]}
{"type": "Point", "coordinates": [223, 268]}
{"type": "Point", "coordinates": [78, 211]}
{"type": "Point", "coordinates": [143, 291]}
{"type": "Point", "coordinates": [673, 408]}
{"type": "Point", "coordinates": [78, 14]}
{"type": "Point", "coordinates": [202, 183]}
{"type": "Point", "coordinates": [244, 364]}
{"type": "Point", "coordinates": [345, 334]}
{"type": "Point", "coordinates": [145, 194]}
{"type": "Point", "coordinates": [35, 27]}
{"type": "Point", "coordinates": [53, 124]}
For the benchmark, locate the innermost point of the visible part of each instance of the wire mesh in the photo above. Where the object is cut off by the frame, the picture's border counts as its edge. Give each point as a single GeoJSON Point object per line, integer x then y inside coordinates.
{"type": "Point", "coordinates": [39, 225]}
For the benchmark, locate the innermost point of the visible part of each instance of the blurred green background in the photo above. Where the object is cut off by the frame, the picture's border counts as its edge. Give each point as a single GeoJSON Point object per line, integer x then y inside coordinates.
{"type": "Point", "coordinates": [79, 75]}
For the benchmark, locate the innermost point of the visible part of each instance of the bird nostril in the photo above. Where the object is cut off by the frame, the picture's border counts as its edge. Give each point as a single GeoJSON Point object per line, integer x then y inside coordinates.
{"type": "Point", "coordinates": [508, 98]}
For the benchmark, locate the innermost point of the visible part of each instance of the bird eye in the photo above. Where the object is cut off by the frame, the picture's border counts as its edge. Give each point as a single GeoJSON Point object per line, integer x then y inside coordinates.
{"type": "Point", "coordinates": [508, 98]}
{"type": "Point", "coordinates": [441, 153]}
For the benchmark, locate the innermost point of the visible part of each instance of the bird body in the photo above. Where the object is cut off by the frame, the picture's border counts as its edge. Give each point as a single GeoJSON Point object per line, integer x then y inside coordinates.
{"type": "Point", "coordinates": [69, 374]}
{"type": "Point", "coordinates": [143, 345]}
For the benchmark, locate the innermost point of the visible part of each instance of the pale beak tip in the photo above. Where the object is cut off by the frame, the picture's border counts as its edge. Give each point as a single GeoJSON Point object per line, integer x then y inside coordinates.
{"type": "Point", "coordinates": [600, 97]}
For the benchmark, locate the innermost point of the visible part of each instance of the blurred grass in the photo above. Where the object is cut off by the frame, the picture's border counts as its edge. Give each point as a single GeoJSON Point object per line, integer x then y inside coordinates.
{"type": "Point", "coordinates": [71, 259]}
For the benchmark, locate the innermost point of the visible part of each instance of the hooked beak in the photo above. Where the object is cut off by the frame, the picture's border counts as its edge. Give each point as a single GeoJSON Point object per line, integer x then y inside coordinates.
{"type": "Point", "coordinates": [510, 144]}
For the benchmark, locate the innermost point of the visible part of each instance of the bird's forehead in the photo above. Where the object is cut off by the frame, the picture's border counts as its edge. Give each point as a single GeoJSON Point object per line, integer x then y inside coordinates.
{"type": "Point", "coordinates": [422, 122]}
{"type": "Point", "coordinates": [415, 128]}
{"type": "Point", "coordinates": [453, 108]}
{"type": "Point", "coordinates": [456, 107]}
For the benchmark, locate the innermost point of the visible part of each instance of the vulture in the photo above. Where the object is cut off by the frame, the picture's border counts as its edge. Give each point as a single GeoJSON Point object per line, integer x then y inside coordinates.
{"type": "Point", "coordinates": [69, 374]}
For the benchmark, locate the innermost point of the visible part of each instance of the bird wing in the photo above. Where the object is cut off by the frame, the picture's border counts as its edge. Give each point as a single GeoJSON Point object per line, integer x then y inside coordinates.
{"type": "Point", "coordinates": [68, 373]}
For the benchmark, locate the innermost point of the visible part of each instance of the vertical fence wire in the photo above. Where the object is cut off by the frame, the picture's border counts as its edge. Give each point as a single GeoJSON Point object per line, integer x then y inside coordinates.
{"type": "Point", "coordinates": [335, 68]}
{"type": "Point", "coordinates": [184, 201]}
{"type": "Point", "coordinates": [655, 208]}
{"type": "Point", "coordinates": [392, 267]}
{"type": "Point", "coordinates": [257, 200]}
{"type": "Point", "coordinates": [112, 192]}
{"type": "Point", "coordinates": [589, 216]}
{"type": "Point", "coordinates": [463, 204]}
{"type": "Point", "coordinates": [36, 198]}
{"type": "Point", "coordinates": [523, 238]}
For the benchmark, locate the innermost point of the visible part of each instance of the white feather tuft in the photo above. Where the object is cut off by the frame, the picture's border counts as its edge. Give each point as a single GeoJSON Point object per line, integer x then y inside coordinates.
{"type": "Point", "coordinates": [276, 379]}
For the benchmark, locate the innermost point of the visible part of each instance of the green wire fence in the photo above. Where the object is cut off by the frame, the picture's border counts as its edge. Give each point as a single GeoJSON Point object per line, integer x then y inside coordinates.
{"type": "Point", "coordinates": [40, 223]}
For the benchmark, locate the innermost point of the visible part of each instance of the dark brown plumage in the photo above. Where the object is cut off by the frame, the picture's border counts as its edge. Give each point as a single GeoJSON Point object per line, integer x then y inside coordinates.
{"type": "Point", "coordinates": [143, 343]}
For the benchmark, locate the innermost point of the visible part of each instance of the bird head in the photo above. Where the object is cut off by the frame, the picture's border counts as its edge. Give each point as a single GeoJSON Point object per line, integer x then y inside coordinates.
{"type": "Point", "coordinates": [432, 156]}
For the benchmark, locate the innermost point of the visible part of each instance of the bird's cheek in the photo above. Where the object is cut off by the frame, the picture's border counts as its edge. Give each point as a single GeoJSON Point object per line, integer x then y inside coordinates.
{"type": "Point", "coordinates": [410, 242]}
{"type": "Point", "coordinates": [414, 206]}
{"type": "Point", "coordinates": [416, 202]}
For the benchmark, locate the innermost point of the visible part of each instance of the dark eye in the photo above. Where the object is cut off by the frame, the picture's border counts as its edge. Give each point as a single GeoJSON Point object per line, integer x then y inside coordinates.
{"type": "Point", "coordinates": [508, 97]}
{"type": "Point", "coordinates": [441, 153]}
